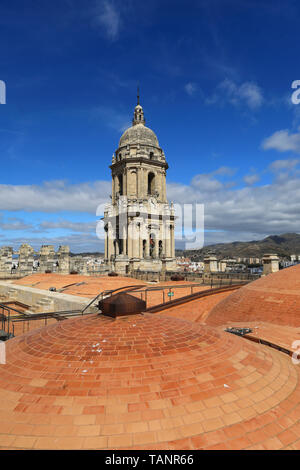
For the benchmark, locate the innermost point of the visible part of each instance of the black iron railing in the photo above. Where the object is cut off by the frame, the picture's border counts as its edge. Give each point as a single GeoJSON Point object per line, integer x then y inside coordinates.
{"type": "Point", "coordinates": [9, 315]}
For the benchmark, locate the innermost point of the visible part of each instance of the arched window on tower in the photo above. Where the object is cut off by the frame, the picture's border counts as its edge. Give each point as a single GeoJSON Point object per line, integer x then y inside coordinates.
{"type": "Point", "coordinates": [151, 183]}
{"type": "Point", "coordinates": [152, 245]}
{"type": "Point", "coordinates": [120, 181]}
{"type": "Point", "coordinates": [160, 249]}
{"type": "Point", "coordinates": [151, 155]}
{"type": "Point", "coordinates": [116, 247]}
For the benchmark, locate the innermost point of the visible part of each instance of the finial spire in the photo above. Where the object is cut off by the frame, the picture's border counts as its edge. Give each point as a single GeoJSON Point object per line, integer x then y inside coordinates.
{"type": "Point", "coordinates": [138, 117]}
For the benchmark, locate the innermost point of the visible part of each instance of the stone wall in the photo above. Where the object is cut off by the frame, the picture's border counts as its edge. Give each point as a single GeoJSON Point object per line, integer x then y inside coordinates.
{"type": "Point", "coordinates": [26, 258]}
{"type": "Point", "coordinates": [6, 253]}
{"type": "Point", "coordinates": [25, 261]}
{"type": "Point", "coordinates": [64, 259]}
{"type": "Point", "coordinates": [204, 278]}
{"type": "Point", "coordinates": [41, 300]}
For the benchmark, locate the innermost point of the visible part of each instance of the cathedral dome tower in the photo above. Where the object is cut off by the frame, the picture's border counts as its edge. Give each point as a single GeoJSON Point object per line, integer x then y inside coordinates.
{"type": "Point", "coordinates": [139, 182]}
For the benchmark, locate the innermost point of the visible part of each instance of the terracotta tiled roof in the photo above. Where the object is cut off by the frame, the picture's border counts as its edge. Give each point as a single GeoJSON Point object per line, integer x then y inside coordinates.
{"type": "Point", "coordinates": [198, 309]}
{"type": "Point", "coordinates": [274, 299]}
{"type": "Point", "coordinates": [281, 335]}
{"type": "Point", "coordinates": [89, 286]}
{"type": "Point", "coordinates": [145, 381]}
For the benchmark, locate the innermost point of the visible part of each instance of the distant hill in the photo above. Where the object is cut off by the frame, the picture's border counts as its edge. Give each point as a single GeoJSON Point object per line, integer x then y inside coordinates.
{"type": "Point", "coordinates": [284, 245]}
{"type": "Point", "coordinates": [92, 254]}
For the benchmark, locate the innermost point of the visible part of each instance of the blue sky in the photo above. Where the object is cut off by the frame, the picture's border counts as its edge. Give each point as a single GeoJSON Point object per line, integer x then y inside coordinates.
{"type": "Point", "coordinates": [215, 79]}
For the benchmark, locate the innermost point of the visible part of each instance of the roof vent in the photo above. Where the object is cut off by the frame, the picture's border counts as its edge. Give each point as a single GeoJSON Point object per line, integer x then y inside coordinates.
{"type": "Point", "coordinates": [121, 304]}
{"type": "Point", "coordinates": [177, 277]}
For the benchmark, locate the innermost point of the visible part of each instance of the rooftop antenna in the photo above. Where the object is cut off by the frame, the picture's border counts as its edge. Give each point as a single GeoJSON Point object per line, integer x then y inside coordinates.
{"type": "Point", "coordinates": [138, 94]}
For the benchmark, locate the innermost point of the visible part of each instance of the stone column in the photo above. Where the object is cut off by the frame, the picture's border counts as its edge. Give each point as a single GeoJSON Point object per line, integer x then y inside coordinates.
{"type": "Point", "coordinates": [125, 192]}
{"type": "Point", "coordinates": [162, 238]}
{"type": "Point", "coordinates": [139, 182]}
{"type": "Point", "coordinates": [113, 193]}
{"type": "Point", "coordinates": [130, 238]}
{"type": "Point", "coordinates": [172, 241]}
{"type": "Point", "coordinates": [46, 258]}
{"type": "Point", "coordinates": [145, 183]}
{"type": "Point", "coordinates": [106, 243]}
{"type": "Point", "coordinates": [156, 246]}
{"type": "Point", "coordinates": [140, 244]}
{"type": "Point", "coordinates": [6, 253]}
{"type": "Point", "coordinates": [168, 239]}
{"type": "Point", "coordinates": [110, 236]}
{"type": "Point", "coordinates": [26, 258]}
{"type": "Point", "coordinates": [147, 254]}
{"type": "Point", "coordinates": [136, 240]}
{"type": "Point", "coordinates": [64, 259]}
{"type": "Point", "coordinates": [163, 186]}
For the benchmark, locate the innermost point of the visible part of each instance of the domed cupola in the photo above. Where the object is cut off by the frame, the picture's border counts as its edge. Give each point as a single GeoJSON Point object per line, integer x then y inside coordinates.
{"type": "Point", "coordinates": [138, 382]}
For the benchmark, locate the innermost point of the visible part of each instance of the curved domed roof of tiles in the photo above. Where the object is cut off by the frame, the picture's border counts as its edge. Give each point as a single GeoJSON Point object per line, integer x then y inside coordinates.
{"type": "Point", "coordinates": [145, 382]}
{"type": "Point", "coordinates": [274, 298]}
{"type": "Point", "coordinates": [139, 134]}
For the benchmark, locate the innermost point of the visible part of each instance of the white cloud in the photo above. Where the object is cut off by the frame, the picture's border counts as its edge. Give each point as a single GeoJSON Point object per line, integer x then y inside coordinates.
{"type": "Point", "coordinates": [14, 223]}
{"type": "Point", "coordinates": [108, 17]}
{"type": "Point", "coordinates": [231, 213]}
{"type": "Point", "coordinates": [77, 242]}
{"type": "Point", "coordinates": [286, 165]}
{"type": "Point", "coordinates": [81, 227]}
{"type": "Point", "coordinates": [251, 179]}
{"type": "Point", "coordinates": [190, 88]}
{"type": "Point", "coordinates": [224, 171]}
{"type": "Point", "coordinates": [55, 196]}
{"type": "Point", "coordinates": [247, 94]}
{"type": "Point", "coordinates": [247, 212]}
{"type": "Point", "coordinates": [251, 94]}
{"type": "Point", "coordinates": [206, 183]}
{"type": "Point", "coordinates": [283, 141]}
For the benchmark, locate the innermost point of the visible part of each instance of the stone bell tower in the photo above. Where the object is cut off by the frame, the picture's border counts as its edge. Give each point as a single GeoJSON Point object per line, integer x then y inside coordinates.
{"type": "Point", "coordinates": [139, 222]}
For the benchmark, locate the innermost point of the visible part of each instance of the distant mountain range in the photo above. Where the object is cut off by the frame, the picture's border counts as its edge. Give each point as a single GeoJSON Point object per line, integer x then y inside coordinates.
{"type": "Point", "coordinates": [94, 254]}
{"type": "Point", "coordinates": [284, 245]}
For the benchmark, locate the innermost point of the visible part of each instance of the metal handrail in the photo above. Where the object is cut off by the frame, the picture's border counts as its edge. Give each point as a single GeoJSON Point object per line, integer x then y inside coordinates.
{"type": "Point", "coordinates": [61, 314]}
{"type": "Point", "coordinates": [128, 288]}
{"type": "Point", "coordinates": [144, 288]}
{"type": "Point", "coordinates": [22, 316]}
{"type": "Point", "coordinates": [10, 308]}
{"type": "Point", "coordinates": [191, 297]}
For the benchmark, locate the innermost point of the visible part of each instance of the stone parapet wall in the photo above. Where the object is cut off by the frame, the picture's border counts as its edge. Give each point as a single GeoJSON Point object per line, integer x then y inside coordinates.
{"type": "Point", "coordinates": [15, 264]}
{"type": "Point", "coordinates": [47, 300]}
{"type": "Point", "coordinates": [206, 278]}
{"type": "Point", "coordinates": [14, 274]}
